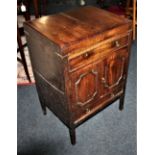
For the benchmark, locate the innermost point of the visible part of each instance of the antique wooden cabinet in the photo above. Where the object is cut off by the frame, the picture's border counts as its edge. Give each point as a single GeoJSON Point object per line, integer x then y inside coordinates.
{"type": "Point", "coordinates": [80, 62]}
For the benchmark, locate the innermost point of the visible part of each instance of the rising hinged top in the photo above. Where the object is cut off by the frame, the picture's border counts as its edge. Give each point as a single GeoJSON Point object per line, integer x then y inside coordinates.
{"type": "Point", "coordinates": [69, 28]}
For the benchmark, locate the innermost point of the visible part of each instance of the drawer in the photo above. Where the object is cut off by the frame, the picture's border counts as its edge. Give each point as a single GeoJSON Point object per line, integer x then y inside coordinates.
{"type": "Point", "coordinates": [80, 59]}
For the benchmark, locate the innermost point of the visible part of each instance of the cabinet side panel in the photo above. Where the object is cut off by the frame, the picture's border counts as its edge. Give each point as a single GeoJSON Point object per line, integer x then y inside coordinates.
{"type": "Point", "coordinates": [45, 58]}
{"type": "Point", "coordinates": [48, 68]}
{"type": "Point", "coordinates": [54, 100]}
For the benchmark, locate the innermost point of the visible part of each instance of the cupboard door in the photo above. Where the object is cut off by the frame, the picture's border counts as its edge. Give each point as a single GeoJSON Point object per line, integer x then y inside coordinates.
{"type": "Point", "coordinates": [85, 85]}
{"type": "Point", "coordinates": [114, 70]}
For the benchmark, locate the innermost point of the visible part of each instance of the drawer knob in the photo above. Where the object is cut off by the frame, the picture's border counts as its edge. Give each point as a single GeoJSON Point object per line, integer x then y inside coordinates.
{"type": "Point", "coordinates": [104, 82]}
{"type": "Point", "coordinates": [112, 95]}
{"type": "Point", "coordinates": [117, 43]}
{"type": "Point", "coordinates": [87, 110]}
{"type": "Point", "coordinates": [87, 54]}
{"type": "Point", "coordinates": [124, 77]}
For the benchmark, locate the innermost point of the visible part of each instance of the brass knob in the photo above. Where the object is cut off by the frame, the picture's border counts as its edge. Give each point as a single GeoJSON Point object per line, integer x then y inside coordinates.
{"type": "Point", "coordinates": [117, 43]}
{"type": "Point", "coordinates": [112, 95]}
{"type": "Point", "coordinates": [87, 110]}
{"type": "Point", "coordinates": [104, 82]}
{"type": "Point", "coordinates": [88, 95]}
{"type": "Point", "coordinates": [86, 55]}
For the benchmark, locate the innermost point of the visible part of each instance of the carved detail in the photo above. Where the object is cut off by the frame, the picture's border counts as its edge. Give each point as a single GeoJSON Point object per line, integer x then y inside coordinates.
{"type": "Point", "coordinates": [104, 80]}
{"type": "Point", "coordinates": [76, 87]}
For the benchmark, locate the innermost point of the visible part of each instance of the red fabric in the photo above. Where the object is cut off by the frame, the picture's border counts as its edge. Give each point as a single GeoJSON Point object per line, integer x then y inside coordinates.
{"type": "Point", "coordinates": [117, 10]}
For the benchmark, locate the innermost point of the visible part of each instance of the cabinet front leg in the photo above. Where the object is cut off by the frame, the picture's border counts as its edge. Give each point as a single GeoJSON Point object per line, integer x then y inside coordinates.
{"type": "Point", "coordinates": [121, 103]}
{"type": "Point", "coordinates": [72, 136]}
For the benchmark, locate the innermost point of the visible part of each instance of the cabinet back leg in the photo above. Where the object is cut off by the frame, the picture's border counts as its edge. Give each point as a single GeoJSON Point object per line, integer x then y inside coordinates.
{"type": "Point", "coordinates": [44, 109]}
{"type": "Point", "coordinates": [43, 106]}
{"type": "Point", "coordinates": [121, 103]}
{"type": "Point", "coordinates": [72, 136]}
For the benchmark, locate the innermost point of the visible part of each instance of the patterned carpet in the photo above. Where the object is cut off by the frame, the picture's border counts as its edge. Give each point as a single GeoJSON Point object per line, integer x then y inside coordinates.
{"type": "Point", "coordinates": [21, 76]}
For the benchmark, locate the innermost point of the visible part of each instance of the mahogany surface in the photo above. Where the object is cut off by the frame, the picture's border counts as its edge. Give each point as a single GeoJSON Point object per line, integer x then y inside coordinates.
{"type": "Point", "coordinates": [80, 62]}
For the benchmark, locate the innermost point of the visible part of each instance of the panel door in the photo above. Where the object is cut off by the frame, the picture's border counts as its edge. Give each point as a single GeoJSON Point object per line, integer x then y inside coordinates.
{"type": "Point", "coordinates": [85, 85]}
{"type": "Point", "coordinates": [114, 70]}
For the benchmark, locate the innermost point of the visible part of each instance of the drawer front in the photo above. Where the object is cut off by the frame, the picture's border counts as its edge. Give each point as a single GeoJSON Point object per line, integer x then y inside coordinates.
{"type": "Point", "coordinates": [80, 59]}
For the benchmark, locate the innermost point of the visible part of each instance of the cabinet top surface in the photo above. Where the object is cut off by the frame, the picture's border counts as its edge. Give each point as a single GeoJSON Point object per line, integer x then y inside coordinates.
{"type": "Point", "coordinates": [71, 27]}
